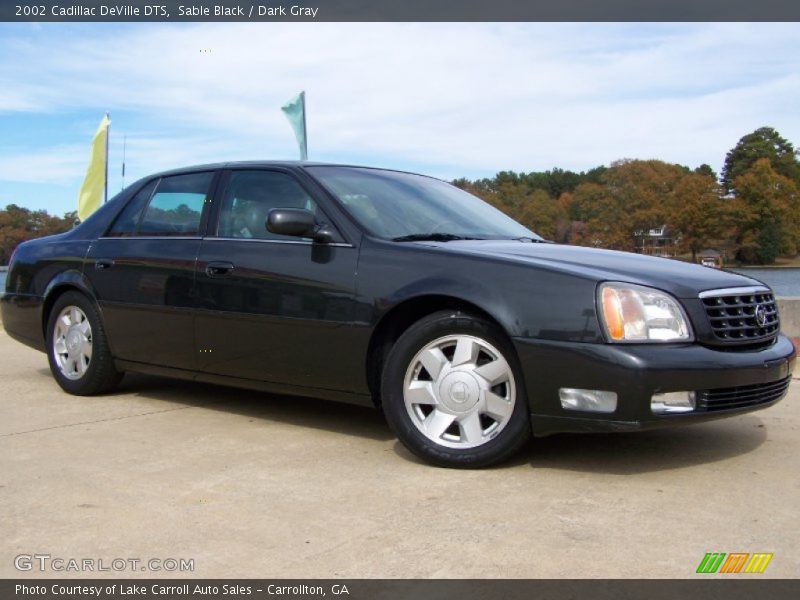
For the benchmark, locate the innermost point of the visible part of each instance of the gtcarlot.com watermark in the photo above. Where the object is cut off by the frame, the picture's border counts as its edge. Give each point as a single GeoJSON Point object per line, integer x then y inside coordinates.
{"type": "Point", "coordinates": [48, 563]}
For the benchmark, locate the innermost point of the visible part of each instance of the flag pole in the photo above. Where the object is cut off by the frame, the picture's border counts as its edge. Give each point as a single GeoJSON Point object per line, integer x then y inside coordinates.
{"type": "Point", "coordinates": [305, 129]}
{"type": "Point", "coordinates": [124, 146]}
{"type": "Point", "coordinates": [105, 187]}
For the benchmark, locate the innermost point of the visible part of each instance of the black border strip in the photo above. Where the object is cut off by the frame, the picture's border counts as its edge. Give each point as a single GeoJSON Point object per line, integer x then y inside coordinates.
{"type": "Point", "coordinates": [699, 588]}
{"type": "Point", "coordinates": [400, 10]}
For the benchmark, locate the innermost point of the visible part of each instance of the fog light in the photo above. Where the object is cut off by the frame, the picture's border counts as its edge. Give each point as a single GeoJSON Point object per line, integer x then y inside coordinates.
{"type": "Point", "coordinates": [672, 402]}
{"type": "Point", "coordinates": [588, 400]}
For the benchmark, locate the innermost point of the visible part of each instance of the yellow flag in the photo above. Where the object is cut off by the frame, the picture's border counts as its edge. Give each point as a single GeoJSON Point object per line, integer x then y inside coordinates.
{"type": "Point", "coordinates": [94, 182]}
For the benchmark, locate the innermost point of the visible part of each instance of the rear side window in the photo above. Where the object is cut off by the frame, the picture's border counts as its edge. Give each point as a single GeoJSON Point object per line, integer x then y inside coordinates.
{"type": "Point", "coordinates": [174, 209]}
{"type": "Point", "coordinates": [176, 206]}
{"type": "Point", "coordinates": [128, 220]}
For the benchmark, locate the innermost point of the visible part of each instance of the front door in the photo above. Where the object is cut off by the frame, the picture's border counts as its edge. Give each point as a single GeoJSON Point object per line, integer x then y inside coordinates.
{"type": "Point", "coordinates": [143, 271]}
{"type": "Point", "coordinates": [270, 307]}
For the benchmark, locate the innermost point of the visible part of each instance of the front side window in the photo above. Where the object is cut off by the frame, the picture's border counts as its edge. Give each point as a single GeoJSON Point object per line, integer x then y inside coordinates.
{"type": "Point", "coordinates": [176, 206]}
{"type": "Point", "coordinates": [248, 198]}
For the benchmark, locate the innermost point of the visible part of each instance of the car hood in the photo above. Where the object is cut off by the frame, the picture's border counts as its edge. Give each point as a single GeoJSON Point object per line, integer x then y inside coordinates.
{"type": "Point", "coordinates": [682, 279]}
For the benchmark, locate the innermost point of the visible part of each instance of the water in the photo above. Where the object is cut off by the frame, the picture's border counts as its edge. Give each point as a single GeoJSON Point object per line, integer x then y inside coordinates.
{"type": "Point", "coordinates": [785, 281]}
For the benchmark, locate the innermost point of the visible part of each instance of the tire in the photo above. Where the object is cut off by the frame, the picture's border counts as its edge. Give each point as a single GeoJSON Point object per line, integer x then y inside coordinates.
{"type": "Point", "coordinates": [452, 392]}
{"type": "Point", "coordinates": [77, 348]}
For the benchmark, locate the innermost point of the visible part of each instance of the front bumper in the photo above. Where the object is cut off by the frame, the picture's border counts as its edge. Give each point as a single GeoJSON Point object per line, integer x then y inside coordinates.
{"type": "Point", "coordinates": [635, 373]}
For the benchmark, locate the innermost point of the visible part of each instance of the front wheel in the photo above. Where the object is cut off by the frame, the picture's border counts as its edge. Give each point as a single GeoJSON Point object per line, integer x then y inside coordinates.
{"type": "Point", "coordinates": [79, 356]}
{"type": "Point", "coordinates": [453, 394]}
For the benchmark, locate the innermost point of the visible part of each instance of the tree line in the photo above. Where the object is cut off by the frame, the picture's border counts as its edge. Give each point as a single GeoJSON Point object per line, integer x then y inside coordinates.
{"type": "Point", "coordinates": [18, 224]}
{"type": "Point", "coordinates": [751, 212]}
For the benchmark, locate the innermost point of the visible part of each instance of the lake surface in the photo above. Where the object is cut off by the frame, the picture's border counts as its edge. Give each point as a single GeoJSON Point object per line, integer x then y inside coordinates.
{"type": "Point", "coordinates": [785, 281]}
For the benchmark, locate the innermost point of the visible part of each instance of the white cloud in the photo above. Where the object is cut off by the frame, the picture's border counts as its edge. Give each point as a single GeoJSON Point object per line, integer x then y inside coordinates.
{"type": "Point", "coordinates": [50, 165]}
{"type": "Point", "coordinates": [464, 98]}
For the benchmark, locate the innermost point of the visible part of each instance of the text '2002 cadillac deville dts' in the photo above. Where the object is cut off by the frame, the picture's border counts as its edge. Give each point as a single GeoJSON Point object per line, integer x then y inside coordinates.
{"type": "Point", "coordinates": [396, 290]}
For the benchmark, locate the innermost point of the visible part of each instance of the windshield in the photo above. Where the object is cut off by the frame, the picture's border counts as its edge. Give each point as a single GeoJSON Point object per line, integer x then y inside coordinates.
{"type": "Point", "coordinates": [404, 207]}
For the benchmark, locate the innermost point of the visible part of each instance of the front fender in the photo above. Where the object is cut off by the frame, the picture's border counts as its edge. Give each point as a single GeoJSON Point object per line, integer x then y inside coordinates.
{"type": "Point", "coordinates": [466, 291]}
{"type": "Point", "coordinates": [528, 301]}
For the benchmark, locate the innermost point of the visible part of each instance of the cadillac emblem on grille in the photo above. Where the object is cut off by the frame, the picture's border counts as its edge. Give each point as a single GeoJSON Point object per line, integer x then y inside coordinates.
{"type": "Point", "coordinates": [761, 315]}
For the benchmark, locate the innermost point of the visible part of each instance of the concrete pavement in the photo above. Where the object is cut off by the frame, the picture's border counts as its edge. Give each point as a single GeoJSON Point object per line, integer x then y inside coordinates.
{"type": "Point", "coordinates": [250, 484]}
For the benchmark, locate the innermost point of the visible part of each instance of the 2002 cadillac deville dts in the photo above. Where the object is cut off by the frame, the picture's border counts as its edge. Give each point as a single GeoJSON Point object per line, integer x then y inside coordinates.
{"type": "Point", "coordinates": [376, 286]}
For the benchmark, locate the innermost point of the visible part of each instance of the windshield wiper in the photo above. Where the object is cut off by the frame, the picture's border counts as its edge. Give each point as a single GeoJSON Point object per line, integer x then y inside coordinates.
{"type": "Point", "coordinates": [433, 237]}
{"type": "Point", "coordinates": [531, 240]}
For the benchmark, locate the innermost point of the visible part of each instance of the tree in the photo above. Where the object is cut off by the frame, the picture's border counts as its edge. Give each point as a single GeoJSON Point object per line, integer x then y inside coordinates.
{"type": "Point", "coordinates": [706, 170]}
{"type": "Point", "coordinates": [766, 213]}
{"type": "Point", "coordinates": [633, 196]}
{"type": "Point", "coordinates": [763, 143]}
{"type": "Point", "coordinates": [543, 214]}
{"type": "Point", "coordinates": [18, 224]}
{"type": "Point", "coordinates": [512, 187]}
{"type": "Point", "coordinates": [482, 190]}
{"type": "Point", "coordinates": [697, 212]}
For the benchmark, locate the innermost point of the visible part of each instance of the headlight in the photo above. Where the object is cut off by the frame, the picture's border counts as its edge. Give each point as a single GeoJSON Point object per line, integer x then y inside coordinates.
{"type": "Point", "coordinates": [633, 313]}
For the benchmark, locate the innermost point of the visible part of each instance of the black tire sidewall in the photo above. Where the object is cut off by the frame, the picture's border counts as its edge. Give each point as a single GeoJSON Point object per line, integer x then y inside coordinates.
{"type": "Point", "coordinates": [101, 373]}
{"type": "Point", "coordinates": [506, 443]}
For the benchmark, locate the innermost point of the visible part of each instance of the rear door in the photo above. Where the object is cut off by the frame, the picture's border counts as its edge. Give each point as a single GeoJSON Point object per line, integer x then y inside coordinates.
{"type": "Point", "coordinates": [143, 271]}
{"type": "Point", "coordinates": [270, 307]}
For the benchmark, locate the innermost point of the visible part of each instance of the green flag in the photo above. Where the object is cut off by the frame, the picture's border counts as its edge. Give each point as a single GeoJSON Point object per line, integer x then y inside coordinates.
{"type": "Point", "coordinates": [295, 111]}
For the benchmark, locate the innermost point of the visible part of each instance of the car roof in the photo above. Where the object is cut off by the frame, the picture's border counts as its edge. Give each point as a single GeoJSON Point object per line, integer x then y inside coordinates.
{"type": "Point", "coordinates": [254, 164]}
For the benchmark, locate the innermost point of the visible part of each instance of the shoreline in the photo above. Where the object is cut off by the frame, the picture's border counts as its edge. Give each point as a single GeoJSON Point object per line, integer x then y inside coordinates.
{"type": "Point", "coordinates": [763, 267]}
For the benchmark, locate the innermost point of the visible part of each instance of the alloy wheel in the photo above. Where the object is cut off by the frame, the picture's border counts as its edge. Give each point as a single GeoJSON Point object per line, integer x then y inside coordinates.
{"type": "Point", "coordinates": [72, 342]}
{"type": "Point", "coordinates": [459, 391]}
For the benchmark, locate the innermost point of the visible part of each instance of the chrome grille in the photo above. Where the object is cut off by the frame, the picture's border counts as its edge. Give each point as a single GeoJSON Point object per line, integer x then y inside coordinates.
{"type": "Point", "coordinates": [742, 315]}
{"type": "Point", "coordinates": [742, 396]}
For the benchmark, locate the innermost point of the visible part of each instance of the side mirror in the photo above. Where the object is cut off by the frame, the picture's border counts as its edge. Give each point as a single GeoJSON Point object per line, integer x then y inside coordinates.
{"type": "Point", "coordinates": [297, 222]}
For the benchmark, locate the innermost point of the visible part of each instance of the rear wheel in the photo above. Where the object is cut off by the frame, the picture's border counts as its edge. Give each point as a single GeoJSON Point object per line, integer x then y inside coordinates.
{"type": "Point", "coordinates": [79, 356]}
{"type": "Point", "coordinates": [453, 394]}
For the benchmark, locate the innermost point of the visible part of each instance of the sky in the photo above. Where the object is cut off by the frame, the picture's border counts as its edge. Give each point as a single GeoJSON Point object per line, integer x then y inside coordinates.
{"type": "Point", "coordinates": [444, 99]}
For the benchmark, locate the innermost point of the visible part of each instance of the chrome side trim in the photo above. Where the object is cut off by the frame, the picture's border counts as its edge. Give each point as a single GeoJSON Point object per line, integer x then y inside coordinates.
{"type": "Point", "coordinates": [222, 239]}
{"type": "Point", "coordinates": [263, 241]}
{"type": "Point", "coordinates": [734, 291]}
{"type": "Point", "coordinates": [150, 237]}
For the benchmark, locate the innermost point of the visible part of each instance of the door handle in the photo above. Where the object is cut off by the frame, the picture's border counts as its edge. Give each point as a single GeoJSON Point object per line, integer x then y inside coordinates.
{"type": "Point", "coordinates": [103, 263]}
{"type": "Point", "coordinates": [219, 269]}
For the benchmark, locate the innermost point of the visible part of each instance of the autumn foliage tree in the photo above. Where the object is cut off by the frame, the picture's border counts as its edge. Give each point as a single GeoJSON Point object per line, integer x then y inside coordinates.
{"type": "Point", "coordinates": [633, 196]}
{"type": "Point", "coordinates": [697, 212]}
{"type": "Point", "coordinates": [766, 213]}
{"type": "Point", "coordinates": [544, 215]}
{"type": "Point", "coordinates": [19, 224]}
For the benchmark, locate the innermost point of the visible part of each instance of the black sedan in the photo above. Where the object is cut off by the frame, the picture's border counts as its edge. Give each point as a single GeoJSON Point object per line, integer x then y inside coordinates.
{"type": "Point", "coordinates": [394, 290]}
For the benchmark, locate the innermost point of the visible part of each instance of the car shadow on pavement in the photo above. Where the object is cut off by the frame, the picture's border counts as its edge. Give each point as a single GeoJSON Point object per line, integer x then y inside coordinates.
{"type": "Point", "coordinates": [636, 452]}
{"type": "Point", "coordinates": [293, 410]}
{"type": "Point", "coordinates": [612, 453]}
{"type": "Point", "coordinates": [649, 451]}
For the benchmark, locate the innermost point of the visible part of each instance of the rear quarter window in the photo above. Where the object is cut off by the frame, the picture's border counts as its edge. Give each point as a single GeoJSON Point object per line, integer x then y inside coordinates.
{"type": "Point", "coordinates": [128, 220]}
{"type": "Point", "coordinates": [176, 206]}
